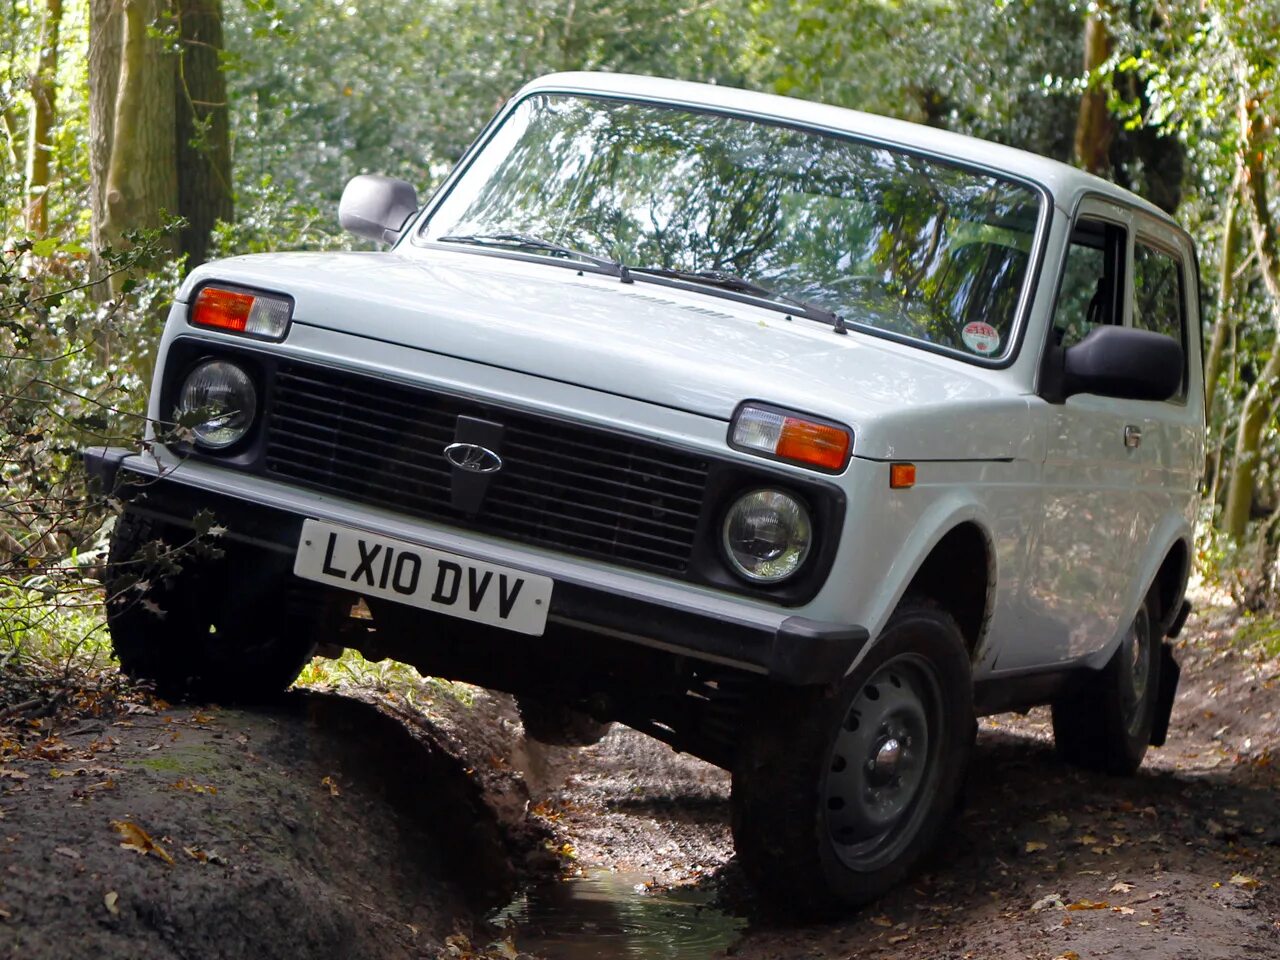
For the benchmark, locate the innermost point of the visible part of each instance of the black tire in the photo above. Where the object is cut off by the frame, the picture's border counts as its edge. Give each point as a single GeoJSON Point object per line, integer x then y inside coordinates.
{"type": "Point", "coordinates": [558, 725]}
{"type": "Point", "coordinates": [1105, 722]}
{"type": "Point", "coordinates": [187, 627]}
{"type": "Point", "coordinates": [819, 831]}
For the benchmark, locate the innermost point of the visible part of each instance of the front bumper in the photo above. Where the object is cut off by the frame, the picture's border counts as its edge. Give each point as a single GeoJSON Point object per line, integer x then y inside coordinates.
{"type": "Point", "coordinates": [597, 599]}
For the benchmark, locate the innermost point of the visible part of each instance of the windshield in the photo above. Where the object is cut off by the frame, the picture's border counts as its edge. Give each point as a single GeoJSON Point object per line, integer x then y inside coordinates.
{"type": "Point", "coordinates": [888, 240]}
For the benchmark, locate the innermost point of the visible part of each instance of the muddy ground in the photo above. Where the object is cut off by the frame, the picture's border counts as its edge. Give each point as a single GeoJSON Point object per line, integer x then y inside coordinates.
{"type": "Point", "coordinates": [333, 826]}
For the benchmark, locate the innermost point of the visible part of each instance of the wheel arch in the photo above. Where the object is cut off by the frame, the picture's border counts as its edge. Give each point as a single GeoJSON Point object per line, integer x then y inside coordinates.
{"type": "Point", "coordinates": [948, 557]}
{"type": "Point", "coordinates": [1165, 568]}
{"type": "Point", "coordinates": [959, 575]}
{"type": "Point", "coordinates": [1169, 585]}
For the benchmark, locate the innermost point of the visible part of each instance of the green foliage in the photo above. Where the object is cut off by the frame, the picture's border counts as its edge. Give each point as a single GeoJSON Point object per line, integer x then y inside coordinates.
{"type": "Point", "coordinates": [72, 374]}
{"type": "Point", "coordinates": [1260, 634]}
{"type": "Point", "coordinates": [321, 91]}
{"type": "Point", "coordinates": [391, 678]}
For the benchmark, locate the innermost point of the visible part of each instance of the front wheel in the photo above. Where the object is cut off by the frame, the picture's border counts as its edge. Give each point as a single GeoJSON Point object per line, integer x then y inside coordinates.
{"type": "Point", "coordinates": [203, 623]}
{"type": "Point", "coordinates": [840, 790]}
{"type": "Point", "coordinates": [1105, 723]}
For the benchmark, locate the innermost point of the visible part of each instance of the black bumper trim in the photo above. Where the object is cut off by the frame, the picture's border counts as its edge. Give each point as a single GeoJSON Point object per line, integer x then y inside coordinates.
{"type": "Point", "coordinates": [798, 651]}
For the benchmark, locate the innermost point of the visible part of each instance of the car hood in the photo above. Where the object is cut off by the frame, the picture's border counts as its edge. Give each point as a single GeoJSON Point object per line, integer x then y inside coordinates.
{"type": "Point", "coordinates": [682, 349]}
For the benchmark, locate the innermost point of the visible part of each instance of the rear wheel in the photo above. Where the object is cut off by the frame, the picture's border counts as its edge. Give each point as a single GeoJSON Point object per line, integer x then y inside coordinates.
{"type": "Point", "coordinates": [839, 791]}
{"type": "Point", "coordinates": [1105, 723]}
{"type": "Point", "coordinates": [180, 619]}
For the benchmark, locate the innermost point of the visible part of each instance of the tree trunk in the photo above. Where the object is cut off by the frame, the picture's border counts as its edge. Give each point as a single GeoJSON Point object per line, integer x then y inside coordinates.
{"type": "Point", "coordinates": [142, 173]}
{"type": "Point", "coordinates": [1266, 244]}
{"type": "Point", "coordinates": [1094, 128]}
{"type": "Point", "coordinates": [44, 93]}
{"type": "Point", "coordinates": [106, 34]}
{"type": "Point", "coordinates": [203, 130]}
{"type": "Point", "coordinates": [1244, 465]}
{"type": "Point", "coordinates": [1224, 312]}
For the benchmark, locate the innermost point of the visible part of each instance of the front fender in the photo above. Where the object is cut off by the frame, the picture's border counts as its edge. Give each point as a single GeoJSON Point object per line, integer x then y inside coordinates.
{"type": "Point", "coordinates": [940, 510]}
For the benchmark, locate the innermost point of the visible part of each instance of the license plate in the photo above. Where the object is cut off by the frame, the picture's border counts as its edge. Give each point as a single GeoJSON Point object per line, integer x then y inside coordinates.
{"type": "Point", "coordinates": [378, 566]}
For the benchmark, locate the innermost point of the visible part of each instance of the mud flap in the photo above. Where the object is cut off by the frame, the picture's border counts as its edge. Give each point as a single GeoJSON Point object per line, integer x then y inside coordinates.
{"type": "Point", "coordinates": [1169, 674]}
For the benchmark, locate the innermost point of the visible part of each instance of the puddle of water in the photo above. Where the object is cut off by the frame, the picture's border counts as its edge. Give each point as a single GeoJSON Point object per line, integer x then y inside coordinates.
{"type": "Point", "coordinates": [609, 915]}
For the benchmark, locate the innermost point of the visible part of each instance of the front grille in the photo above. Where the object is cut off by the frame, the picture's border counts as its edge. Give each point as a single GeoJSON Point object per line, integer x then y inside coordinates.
{"type": "Point", "coordinates": [579, 489]}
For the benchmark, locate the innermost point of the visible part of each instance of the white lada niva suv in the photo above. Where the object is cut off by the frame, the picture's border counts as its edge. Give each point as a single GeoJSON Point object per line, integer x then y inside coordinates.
{"type": "Point", "coordinates": [791, 436]}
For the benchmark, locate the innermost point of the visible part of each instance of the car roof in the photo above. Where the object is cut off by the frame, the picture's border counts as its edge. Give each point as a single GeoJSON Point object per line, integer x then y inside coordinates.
{"type": "Point", "coordinates": [1063, 181]}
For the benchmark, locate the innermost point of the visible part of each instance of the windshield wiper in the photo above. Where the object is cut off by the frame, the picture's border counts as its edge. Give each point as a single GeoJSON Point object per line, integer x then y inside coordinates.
{"type": "Point", "coordinates": [731, 281]}
{"type": "Point", "coordinates": [529, 241]}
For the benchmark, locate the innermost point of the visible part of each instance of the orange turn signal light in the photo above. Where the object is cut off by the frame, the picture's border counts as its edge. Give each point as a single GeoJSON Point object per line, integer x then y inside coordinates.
{"type": "Point", "coordinates": [818, 444]}
{"type": "Point", "coordinates": [224, 309]}
{"type": "Point", "coordinates": [902, 475]}
{"type": "Point", "coordinates": [236, 310]}
{"type": "Point", "coordinates": [777, 433]}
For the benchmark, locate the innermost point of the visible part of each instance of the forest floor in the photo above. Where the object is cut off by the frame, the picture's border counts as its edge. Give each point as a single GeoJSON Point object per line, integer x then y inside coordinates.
{"type": "Point", "coordinates": [1044, 862]}
{"type": "Point", "coordinates": [362, 826]}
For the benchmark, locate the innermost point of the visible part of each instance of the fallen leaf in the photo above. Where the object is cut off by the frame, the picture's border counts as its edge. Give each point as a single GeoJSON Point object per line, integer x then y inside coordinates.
{"type": "Point", "coordinates": [193, 787]}
{"type": "Point", "coordinates": [1069, 955]}
{"type": "Point", "coordinates": [136, 839]}
{"type": "Point", "coordinates": [111, 901]}
{"type": "Point", "coordinates": [1121, 887]}
{"type": "Point", "coordinates": [1088, 905]}
{"type": "Point", "coordinates": [1088, 840]}
{"type": "Point", "coordinates": [1034, 846]}
{"type": "Point", "coordinates": [1246, 882]}
{"type": "Point", "coordinates": [332, 785]}
{"type": "Point", "coordinates": [882, 921]}
{"type": "Point", "coordinates": [504, 949]}
{"type": "Point", "coordinates": [195, 853]}
{"type": "Point", "coordinates": [1123, 911]}
{"type": "Point", "coordinates": [1052, 901]}
{"type": "Point", "coordinates": [14, 774]}
{"type": "Point", "coordinates": [457, 945]}
{"type": "Point", "coordinates": [67, 852]}
{"type": "Point", "coordinates": [900, 938]}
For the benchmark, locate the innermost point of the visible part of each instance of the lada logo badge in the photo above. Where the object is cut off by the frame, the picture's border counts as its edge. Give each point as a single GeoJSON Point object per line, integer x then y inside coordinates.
{"type": "Point", "coordinates": [473, 458]}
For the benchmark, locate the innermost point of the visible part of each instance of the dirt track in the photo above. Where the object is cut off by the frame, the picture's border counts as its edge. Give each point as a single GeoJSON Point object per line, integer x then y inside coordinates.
{"type": "Point", "coordinates": [341, 830]}
{"type": "Point", "coordinates": [1182, 861]}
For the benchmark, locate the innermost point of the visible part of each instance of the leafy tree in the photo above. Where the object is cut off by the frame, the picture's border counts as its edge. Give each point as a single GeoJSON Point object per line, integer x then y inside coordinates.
{"type": "Point", "coordinates": [159, 119]}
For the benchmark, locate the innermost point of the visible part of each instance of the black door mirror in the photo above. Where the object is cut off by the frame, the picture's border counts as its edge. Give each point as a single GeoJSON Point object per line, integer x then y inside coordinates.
{"type": "Point", "coordinates": [1124, 363]}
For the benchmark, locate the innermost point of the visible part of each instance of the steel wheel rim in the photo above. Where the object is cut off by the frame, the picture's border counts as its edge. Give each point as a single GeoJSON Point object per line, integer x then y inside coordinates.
{"type": "Point", "coordinates": [882, 763]}
{"type": "Point", "coordinates": [1136, 651]}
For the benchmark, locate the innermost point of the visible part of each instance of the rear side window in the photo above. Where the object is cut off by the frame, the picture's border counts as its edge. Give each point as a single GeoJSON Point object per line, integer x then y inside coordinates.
{"type": "Point", "coordinates": [1158, 301]}
{"type": "Point", "coordinates": [1091, 281]}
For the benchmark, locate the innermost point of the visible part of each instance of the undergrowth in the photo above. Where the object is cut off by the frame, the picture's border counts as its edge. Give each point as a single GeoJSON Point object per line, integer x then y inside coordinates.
{"type": "Point", "coordinates": [351, 671]}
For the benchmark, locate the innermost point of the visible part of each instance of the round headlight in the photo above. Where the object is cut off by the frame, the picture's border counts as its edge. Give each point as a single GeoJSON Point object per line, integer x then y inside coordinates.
{"type": "Point", "coordinates": [222, 395]}
{"type": "Point", "coordinates": [767, 535]}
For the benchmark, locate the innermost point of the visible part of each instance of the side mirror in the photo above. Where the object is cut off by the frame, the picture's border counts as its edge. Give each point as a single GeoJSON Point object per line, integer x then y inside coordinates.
{"type": "Point", "coordinates": [1124, 363]}
{"type": "Point", "coordinates": [377, 207]}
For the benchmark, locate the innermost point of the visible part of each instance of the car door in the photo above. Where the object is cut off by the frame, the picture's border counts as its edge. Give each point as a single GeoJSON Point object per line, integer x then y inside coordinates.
{"type": "Point", "coordinates": [1085, 543]}
{"type": "Point", "coordinates": [1164, 300]}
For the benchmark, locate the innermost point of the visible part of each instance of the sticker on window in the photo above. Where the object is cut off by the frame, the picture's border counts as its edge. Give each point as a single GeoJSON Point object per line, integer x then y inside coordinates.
{"type": "Point", "coordinates": [981, 337]}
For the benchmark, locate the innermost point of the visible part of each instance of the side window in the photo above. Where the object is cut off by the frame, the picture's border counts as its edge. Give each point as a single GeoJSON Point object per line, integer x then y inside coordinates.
{"type": "Point", "coordinates": [1088, 296]}
{"type": "Point", "coordinates": [1158, 301]}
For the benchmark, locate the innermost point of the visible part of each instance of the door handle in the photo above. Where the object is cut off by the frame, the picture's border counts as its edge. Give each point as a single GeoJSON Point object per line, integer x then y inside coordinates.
{"type": "Point", "coordinates": [1132, 436]}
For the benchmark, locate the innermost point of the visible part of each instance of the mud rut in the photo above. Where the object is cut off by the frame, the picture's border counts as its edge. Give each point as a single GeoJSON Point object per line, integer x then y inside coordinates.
{"type": "Point", "coordinates": [332, 827]}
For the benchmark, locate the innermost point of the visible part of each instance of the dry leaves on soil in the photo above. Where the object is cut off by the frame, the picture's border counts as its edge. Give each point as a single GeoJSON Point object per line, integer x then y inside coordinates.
{"type": "Point", "coordinates": [137, 839]}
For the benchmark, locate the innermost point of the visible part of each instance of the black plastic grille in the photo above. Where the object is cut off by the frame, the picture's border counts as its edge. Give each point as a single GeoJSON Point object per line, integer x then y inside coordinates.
{"type": "Point", "coordinates": [574, 488]}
